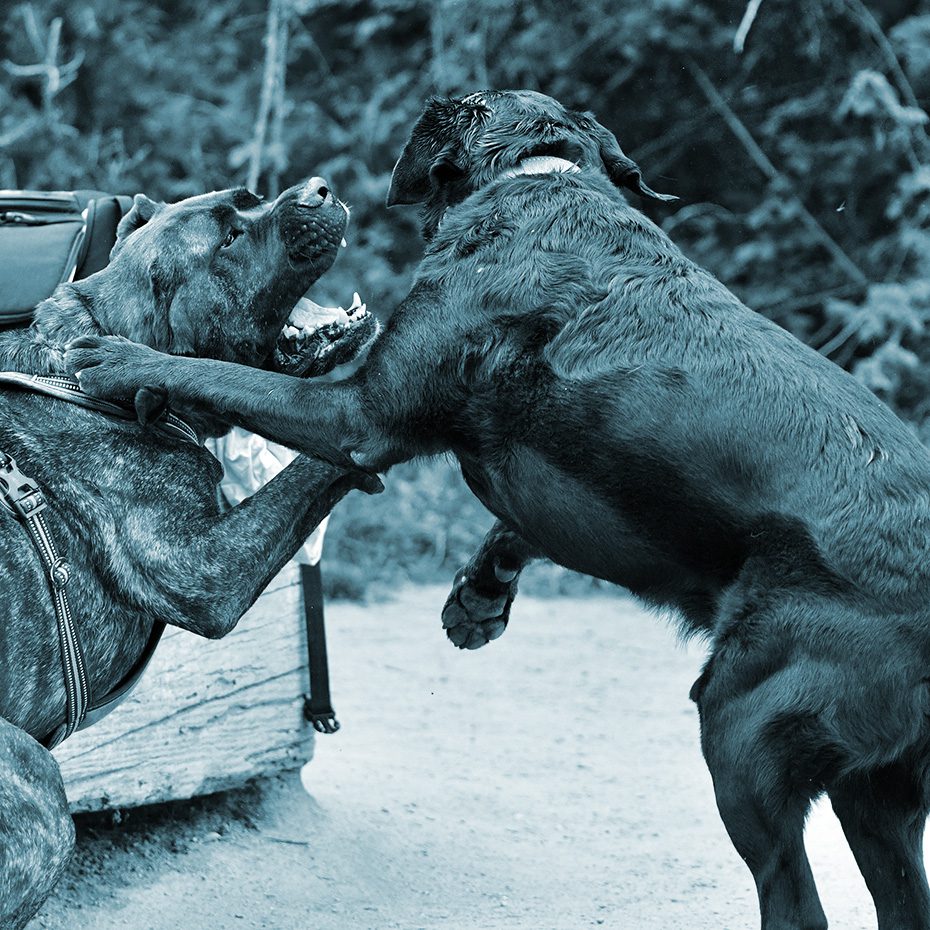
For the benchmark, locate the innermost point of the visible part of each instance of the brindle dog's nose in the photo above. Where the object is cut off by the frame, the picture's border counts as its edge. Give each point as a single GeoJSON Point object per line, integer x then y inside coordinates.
{"type": "Point", "coordinates": [314, 193]}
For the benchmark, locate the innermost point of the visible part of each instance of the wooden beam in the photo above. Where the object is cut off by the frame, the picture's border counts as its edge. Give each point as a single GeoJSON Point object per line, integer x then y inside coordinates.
{"type": "Point", "coordinates": [207, 715]}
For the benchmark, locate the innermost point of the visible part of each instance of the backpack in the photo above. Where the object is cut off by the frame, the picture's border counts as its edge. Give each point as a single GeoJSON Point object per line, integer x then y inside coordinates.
{"type": "Point", "coordinates": [49, 237]}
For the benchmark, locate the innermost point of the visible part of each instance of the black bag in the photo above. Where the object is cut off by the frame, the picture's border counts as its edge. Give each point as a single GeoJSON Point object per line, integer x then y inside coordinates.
{"type": "Point", "coordinates": [48, 237]}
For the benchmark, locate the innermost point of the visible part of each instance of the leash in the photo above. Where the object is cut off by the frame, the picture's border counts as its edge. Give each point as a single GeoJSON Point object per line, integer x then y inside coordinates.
{"type": "Point", "coordinates": [23, 497]}
{"type": "Point", "coordinates": [69, 389]}
{"type": "Point", "coordinates": [318, 705]}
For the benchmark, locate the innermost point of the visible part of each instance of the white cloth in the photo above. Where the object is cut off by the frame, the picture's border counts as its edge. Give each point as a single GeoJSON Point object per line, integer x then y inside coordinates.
{"type": "Point", "coordinates": [249, 462]}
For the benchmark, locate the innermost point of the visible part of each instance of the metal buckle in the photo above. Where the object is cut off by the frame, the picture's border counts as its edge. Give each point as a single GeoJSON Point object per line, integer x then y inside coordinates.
{"type": "Point", "coordinates": [19, 491]}
{"type": "Point", "coordinates": [324, 722]}
{"type": "Point", "coordinates": [59, 573]}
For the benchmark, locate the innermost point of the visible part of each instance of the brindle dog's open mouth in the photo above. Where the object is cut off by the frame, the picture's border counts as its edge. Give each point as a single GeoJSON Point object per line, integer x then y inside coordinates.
{"type": "Point", "coordinates": [316, 339]}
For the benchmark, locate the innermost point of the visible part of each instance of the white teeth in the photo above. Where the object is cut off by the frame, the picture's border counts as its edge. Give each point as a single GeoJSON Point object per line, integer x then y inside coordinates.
{"type": "Point", "coordinates": [308, 317]}
{"type": "Point", "coordinates": [356, 308]}
{"type": "Point", "coordinates": [343, 243]}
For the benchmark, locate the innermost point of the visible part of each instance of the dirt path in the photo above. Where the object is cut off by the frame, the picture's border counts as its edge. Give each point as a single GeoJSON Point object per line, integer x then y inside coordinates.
{"type": "Point", "coordinates": [551, 781]}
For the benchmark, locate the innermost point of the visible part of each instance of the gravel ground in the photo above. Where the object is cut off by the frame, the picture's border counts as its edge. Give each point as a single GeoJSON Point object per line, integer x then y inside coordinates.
{"type": "Point", "coordinates": [550, 781]}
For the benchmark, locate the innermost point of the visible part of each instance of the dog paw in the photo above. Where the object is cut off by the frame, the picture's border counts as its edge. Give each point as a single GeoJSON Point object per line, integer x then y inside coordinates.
{"type": "Point", "coordinates": [108, 366]}
{"type": "Point", "coordinates": [151, 404]}
{"type": "Point", "coordinates": [475, 613]}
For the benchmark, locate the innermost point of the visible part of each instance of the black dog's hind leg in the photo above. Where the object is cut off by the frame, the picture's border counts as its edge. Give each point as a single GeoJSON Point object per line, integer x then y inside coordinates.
{"type": "Point", "coordinates": [36, 831]}
{"type": "Point", "coordinates": [761, 807]}
{"type": "Point", "coordinates": [883, 813]}
{"type": "Point", "coordinates": [478, 607]}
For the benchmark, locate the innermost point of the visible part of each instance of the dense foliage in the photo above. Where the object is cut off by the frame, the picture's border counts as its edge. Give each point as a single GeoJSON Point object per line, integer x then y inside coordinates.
{"type": "Point", "coordinates": [796, 137]}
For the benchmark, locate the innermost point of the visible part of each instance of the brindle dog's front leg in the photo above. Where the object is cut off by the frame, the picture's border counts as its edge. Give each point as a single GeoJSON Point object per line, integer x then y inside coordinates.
{"type": "Point", "coordinates": [324, 420]}
{"type": "Point", "coordinates": [218, 567]}
{"type": "Point", "coordinates": [478, 607]}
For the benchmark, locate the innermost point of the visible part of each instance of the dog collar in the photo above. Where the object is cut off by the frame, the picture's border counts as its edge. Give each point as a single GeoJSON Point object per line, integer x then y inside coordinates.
{"type": "Point", "coordinates": [68, 389]}
{"type": "Point", "coordinates": [542, 164]}
{"type": "Point", "coordinates": [535, 164]}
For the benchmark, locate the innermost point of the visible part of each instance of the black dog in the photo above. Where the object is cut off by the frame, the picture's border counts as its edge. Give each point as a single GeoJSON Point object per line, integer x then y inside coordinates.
{"type": "Point", "coordinates": [622, 413]}
{"type": "Point", "coordinates": [136, 516]}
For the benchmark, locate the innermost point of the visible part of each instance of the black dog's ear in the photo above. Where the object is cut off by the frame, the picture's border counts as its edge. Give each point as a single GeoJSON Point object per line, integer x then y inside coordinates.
{"type": "Point", "coordinates": [417, 173]}
{"type": "Point", "coordinates": [421, 166]}
{"type": "Point", "coordinates": [141, 211]}
{"type": "Point", "coordinates": [410, 178]}
{"type": "Point", "coordinates": [622, 170]}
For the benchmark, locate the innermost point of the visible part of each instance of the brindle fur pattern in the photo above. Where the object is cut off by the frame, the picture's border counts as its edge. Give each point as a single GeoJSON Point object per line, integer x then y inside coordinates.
{"type": "Point", "coordinates": [134, 513]}
{"type": "Point", "coordinates": [622, 413]}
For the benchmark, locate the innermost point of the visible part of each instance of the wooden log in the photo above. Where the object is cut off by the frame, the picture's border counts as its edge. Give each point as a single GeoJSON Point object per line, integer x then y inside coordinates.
{"type": "Point", "coordinates": [207, 715]}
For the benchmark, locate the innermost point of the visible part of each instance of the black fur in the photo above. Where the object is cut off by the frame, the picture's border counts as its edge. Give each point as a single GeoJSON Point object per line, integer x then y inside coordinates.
{"type": "Point", "coordinates": [135, 514]}
{"type": "Point", "coordinates": [622, 413]}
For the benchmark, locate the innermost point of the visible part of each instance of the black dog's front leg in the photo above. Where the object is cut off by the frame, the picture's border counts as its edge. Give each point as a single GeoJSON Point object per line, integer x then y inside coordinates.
{"type": "Point", "coordinates": [478, 607]}
{"type": "Point", "coordinates": [220, 565]}
{"type": "Point", "coordinates": [324, 420]}
{"type": "Point", "coordinates": [397, 406]}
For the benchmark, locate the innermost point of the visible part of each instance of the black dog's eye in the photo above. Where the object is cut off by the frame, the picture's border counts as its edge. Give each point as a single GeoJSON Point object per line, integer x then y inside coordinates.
{"type": "Point", "coordinates": [231, 237]}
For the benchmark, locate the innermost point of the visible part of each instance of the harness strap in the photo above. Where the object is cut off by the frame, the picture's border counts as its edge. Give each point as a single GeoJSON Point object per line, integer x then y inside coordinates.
{"type": "Point", "coordinates": [100, 707]}
{"type": "Point", "coordinates": [318, 705]}
{"type": "Point", "coordinates": [69, 389]}
{"type": "Point", "coordinates": [24, 499]}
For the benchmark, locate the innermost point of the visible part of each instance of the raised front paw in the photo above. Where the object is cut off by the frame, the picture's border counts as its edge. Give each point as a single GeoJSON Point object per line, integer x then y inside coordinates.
{"type": "Point", "coordinates": [477, 611]}
{"type": "Point", "coordinates": [110, 367]}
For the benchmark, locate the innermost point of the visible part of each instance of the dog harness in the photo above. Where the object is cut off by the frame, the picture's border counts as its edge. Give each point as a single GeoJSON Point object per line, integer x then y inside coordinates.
{"type": "Point", "coordinates": [23, 497]}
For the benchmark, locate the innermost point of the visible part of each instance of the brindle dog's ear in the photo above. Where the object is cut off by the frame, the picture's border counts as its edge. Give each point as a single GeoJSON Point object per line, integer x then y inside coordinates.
{"type": "Point", "coordinates": [142, 210]}
{"type": "Point", "coordinates": [425, 162]}
{"type": "Point", "coordinates": [622, 170]}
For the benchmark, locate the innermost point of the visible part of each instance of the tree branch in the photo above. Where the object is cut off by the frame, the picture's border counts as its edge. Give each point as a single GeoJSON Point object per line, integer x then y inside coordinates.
{"type": "Point", "coordinates": [55, 76]}
{"type": "Point", "coordinates": [871, 26]}
{"type": "Point", "coordinates": [279, 103]}
{"type": "Point", "coordinates": [438, 46]}
{"type": "Point", "coordinates": [765, 165]}
{"type": "Point", "coordinates": [265, 100]}
{"type": "Point", "coordinates": [749, 17]}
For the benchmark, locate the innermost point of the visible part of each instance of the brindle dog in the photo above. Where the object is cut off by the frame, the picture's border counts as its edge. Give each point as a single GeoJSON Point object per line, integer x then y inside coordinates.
{"type": "Point", "coordinates": [136, 515]}
{"type": "Point", "coordinates": [622, 413]}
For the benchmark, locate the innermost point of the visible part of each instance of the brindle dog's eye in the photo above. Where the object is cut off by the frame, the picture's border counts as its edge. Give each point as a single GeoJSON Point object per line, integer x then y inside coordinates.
{"type": "Point", "coordinates": [231, 237]}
